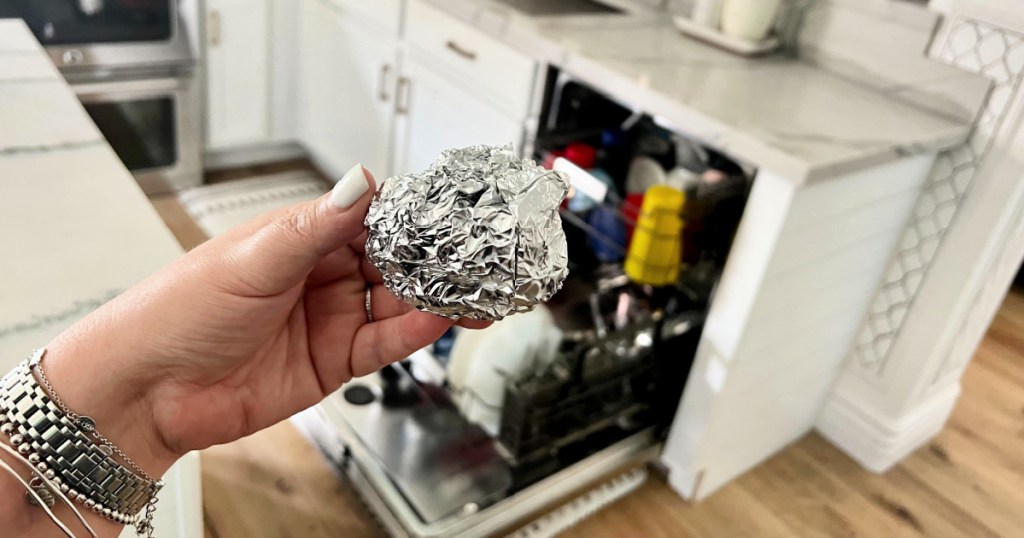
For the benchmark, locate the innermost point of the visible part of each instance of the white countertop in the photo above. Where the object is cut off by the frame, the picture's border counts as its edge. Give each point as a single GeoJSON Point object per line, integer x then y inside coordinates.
{"type": "Point", "coordinates": [798, 120]}
{"type": "Point", "coordinates": [75, 228]}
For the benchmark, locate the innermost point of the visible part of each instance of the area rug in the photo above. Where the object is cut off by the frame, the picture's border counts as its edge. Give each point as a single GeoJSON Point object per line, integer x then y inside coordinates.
{"type": "Point", "coordinates": [222, 206]}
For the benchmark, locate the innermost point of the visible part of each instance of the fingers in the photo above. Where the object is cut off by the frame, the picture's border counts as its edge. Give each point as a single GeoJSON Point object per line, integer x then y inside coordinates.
{"type": "Point", "coordinates": [330, 268]}
{"type": "Point", "coordinates": [359, 243]}
{"type": "Point", "coordinates": [280, 254]}
{"type": "Point", "coordinates": [383, 342]}
{"type": "Point", "coordinates": [385, 305]}
{"type": "Point", "coordinates": [343, 263]}
{"type": "Point", "coordinates": [370, 272]}
{"type": "Point", "coordinates": [474, 323]}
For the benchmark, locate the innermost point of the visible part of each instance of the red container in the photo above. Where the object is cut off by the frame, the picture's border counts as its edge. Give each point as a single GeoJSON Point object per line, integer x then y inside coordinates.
{"type": "Point", "coordinates": [582, 155]}
{"type": "Point", "coordinates": [631, 210]}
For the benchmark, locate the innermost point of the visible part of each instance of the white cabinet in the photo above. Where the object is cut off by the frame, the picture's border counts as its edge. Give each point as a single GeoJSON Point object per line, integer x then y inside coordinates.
{"type": "Point", "coordinates": [348, 74]}
{"type": "Point", "coordinates": [359, 103]}
{"type": "Point", "coordinates": [797, 283]}
{"type": "Point", "coordinates": [237, 72]}
{"type": "Point", "coordinates": [459, 87]}
{"type": "Point", "coordinates": [471, 59]}
{"type": "Point", "coordinates": [437, 114]}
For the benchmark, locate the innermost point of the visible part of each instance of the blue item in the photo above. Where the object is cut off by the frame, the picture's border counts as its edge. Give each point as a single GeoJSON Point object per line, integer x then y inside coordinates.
{"type": "Point", "coordinates": [443, 346]}
{"type": "Point", "coordinates": [607, 222]}
{"type": "Point", "coordinates": [611, 138]}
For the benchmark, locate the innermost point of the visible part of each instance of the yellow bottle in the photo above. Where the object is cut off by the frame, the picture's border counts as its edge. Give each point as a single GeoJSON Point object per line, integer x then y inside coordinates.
{"type": "Point", "coordinates": [657, 247]}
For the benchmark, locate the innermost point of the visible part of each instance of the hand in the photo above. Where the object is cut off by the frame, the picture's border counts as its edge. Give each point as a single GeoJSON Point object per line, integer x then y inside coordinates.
{"type": "Point", "coordinates": [242, 332]}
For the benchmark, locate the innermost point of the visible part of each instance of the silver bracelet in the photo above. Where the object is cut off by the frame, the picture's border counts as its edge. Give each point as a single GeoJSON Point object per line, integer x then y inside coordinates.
{"type": "Point", "coordinates": [57, 441]}
{"type": "Point", "coordinates": [85, 423]}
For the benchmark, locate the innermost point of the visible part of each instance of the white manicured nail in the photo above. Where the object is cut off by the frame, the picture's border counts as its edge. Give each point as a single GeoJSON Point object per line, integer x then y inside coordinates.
{"type": "Point", "coordinates": [351, 187]}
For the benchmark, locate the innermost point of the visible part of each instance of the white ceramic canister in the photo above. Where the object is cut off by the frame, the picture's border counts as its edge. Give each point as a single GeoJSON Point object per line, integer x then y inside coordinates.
{"type": "Point", "coordinates": [749, 19]}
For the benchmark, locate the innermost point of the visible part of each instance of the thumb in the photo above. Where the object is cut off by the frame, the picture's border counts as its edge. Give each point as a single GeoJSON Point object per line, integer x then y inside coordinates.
{"type": "Point", "coordinates": [284, 249]}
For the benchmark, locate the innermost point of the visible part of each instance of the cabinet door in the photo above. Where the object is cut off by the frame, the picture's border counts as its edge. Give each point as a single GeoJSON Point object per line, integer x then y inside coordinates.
{"type": "Point", "coordinates": [237, 67]}
{"type": "Point", "coordinates": [803, 268]}
{"type": "Point", "coordinates": [347, 90]}
{"type": "Point", "coordinates": [435, 114]}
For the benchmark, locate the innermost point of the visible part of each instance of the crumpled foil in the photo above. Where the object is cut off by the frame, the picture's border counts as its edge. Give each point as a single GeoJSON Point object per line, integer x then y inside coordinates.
{"type": "Point", "coordinates": [476, 235]}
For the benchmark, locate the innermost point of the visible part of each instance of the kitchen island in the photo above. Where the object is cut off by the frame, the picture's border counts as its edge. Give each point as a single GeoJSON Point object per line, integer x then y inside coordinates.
{"type": "Point", "coordinates": [75, 229]}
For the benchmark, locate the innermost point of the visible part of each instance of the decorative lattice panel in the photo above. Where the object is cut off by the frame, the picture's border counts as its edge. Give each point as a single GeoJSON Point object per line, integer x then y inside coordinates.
{"type": "Point", "coordinates": [998, 54]}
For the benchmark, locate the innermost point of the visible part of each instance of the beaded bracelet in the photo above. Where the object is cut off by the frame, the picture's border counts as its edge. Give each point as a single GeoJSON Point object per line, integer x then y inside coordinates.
{"type": "Point", "coordinates": [57, 441]}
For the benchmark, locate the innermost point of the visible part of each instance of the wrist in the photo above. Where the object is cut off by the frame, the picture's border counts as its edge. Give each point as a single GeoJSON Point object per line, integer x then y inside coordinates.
{"type": "Point", "coordinates": [93, 380]}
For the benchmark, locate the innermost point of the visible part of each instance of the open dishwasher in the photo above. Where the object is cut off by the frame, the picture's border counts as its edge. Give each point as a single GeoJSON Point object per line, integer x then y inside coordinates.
{"type": "Point", "coordinates": [463, 439]}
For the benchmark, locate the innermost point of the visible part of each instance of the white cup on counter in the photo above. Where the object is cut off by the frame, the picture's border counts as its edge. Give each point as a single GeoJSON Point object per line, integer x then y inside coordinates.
{"type": "Point", "coordinates": [749, 19]}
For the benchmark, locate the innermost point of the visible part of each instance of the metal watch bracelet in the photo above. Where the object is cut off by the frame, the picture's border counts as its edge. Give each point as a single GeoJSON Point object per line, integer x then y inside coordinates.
{"type": "Point", "coordinates": [54, 440]}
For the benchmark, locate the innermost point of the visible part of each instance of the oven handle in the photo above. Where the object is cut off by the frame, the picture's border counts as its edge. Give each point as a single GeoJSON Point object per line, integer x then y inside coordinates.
{"type": "Point", "coordinates": [147, 86]}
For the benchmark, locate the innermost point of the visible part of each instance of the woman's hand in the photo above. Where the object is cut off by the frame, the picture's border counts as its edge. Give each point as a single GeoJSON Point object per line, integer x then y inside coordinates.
{"type": "Point", "coordinates": [242, 332]}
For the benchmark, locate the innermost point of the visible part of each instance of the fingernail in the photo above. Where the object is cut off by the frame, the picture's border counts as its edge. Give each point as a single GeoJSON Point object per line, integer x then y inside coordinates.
{"type": "Point", "coordinates": [351, 187]}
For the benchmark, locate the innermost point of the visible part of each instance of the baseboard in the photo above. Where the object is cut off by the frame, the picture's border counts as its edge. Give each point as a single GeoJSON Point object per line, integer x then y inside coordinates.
{"type": "Point", "coordinates": [876, 441]}
{"type": "Point", "coordinates": [219, 159]}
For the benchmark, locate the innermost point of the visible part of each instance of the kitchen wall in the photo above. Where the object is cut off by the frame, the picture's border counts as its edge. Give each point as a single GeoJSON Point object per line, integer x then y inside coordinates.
{"type": "Point", "coordinates": [882, 43]}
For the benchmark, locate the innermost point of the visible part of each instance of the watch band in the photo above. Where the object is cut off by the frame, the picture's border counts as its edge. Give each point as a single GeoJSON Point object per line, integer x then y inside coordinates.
{"type": "Point", "coordinates": [56, 445]}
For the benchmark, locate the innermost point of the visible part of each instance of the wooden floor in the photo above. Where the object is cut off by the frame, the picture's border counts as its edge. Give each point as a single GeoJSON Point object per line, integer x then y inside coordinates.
{"type": "Point", "coordinates": [969, 481]}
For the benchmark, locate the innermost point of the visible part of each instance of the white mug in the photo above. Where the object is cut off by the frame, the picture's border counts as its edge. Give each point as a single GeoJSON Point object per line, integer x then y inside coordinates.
{"type": "Point", "coordinates": [749, 19]}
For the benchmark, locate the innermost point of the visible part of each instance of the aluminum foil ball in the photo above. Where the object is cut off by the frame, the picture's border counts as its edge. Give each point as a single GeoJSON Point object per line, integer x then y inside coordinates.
{"type": "Point", "coordinates": [476, 235]}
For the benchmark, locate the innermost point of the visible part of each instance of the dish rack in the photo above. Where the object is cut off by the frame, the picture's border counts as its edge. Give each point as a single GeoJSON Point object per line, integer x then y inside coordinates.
{"type": "Point", "coordinates": [592, 396]}
{"type": "Point", "coordinates": [626, 352]}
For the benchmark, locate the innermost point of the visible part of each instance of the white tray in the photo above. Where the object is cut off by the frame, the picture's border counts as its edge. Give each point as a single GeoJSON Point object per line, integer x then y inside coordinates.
{"type": "Point", "coordinates": [743, 47]}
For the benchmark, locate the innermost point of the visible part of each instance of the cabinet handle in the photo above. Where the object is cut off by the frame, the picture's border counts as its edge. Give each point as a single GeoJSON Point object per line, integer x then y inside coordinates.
{"type": "Point", "coordinates": [402, 96]}
{"type": "Point", "coordinates": [382, 83]}
{"type": "Point", "coordinates": [214, 28]}
{"type": "Point", "coordinates": [457, 49]}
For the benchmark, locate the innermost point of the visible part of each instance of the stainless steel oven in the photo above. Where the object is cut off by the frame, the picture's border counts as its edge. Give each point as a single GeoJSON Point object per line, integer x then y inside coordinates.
{"type": "Point", "coordinates": [152, 122]}
{"type": "Point", "coordinates": [133, 64]}
{"type": "Point", "coordinates": [83, 34]}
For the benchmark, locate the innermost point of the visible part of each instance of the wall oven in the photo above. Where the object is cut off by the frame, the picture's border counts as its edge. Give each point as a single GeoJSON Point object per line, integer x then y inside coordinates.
{"type": "Point", "coordinates": [152, 122]}
{"type": "Point", "coordinates": [134, 67]}
{"type": "Point", "coordinates": [83, 34]}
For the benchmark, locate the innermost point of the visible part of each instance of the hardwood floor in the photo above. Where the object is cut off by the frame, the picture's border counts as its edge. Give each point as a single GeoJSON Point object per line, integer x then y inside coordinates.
{"type": "Point", "coordinates": [229, 174]}
{"type": "Point", "coordinates": [275, 484]}
{"type": "Point", "coordinates": [185, 230]}
{"type": "Point", "coordinates": [969, 481]}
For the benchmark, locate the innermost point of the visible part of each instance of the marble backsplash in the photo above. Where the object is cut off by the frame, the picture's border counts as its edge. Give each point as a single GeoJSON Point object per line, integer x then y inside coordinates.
{"type": "Point", "coordinates": [882, 44]}
{"type": "Point", "coordinates": [885, 43]}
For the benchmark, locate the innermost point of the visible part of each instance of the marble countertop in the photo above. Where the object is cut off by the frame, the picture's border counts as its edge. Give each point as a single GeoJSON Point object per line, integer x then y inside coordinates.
{"type": "Point", "coordinates": [74, 226]}
{"type": "Point", "coordinates": [75, 229]}
{"type": "Point", "coordinates": [797, 119]}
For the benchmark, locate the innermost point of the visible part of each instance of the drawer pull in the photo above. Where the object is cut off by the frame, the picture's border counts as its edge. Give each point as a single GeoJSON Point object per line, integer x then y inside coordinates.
{"type": "Point", "coordinates": [402, 96]}
{"type": "Point", "coordinates": [214, 28]}
{"type": "Point", "coordinates": [467, 54]}
{"type": "Point", "coordinates": [382, 83]}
